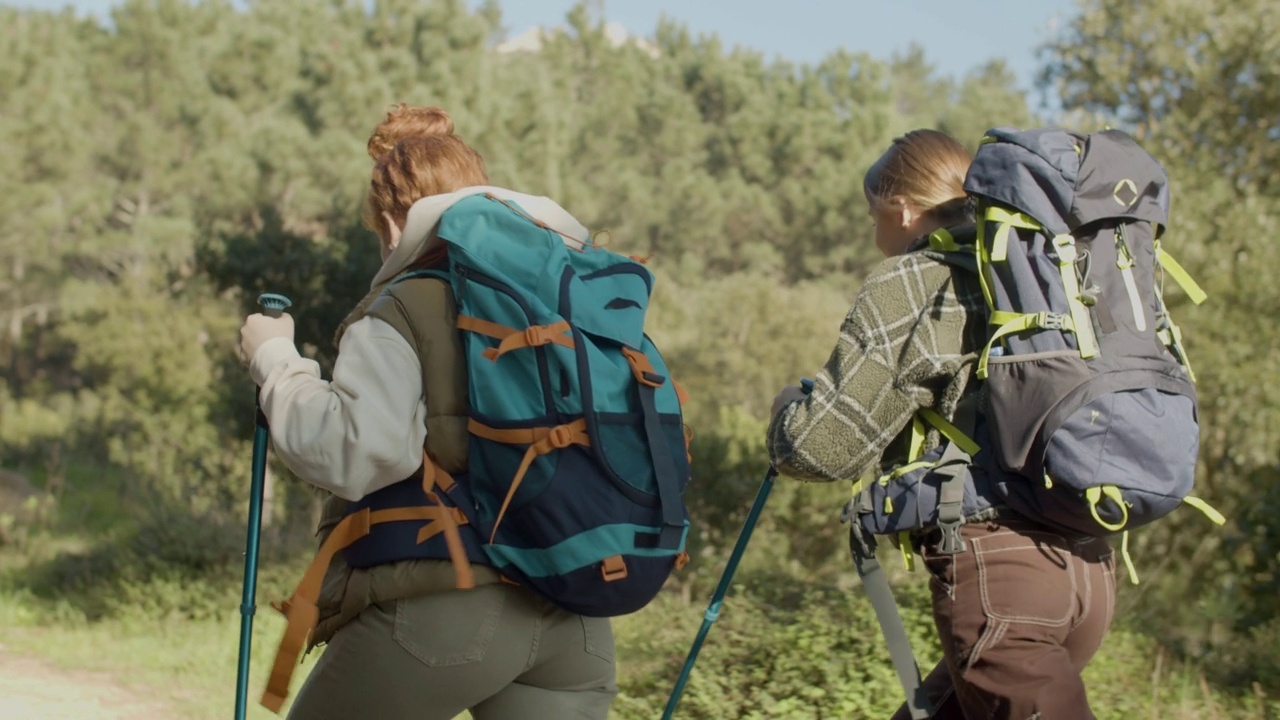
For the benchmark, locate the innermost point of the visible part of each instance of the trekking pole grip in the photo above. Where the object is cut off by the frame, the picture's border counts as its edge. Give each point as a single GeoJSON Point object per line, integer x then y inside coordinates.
{"type": "Point", "coordinates": [273, 304]}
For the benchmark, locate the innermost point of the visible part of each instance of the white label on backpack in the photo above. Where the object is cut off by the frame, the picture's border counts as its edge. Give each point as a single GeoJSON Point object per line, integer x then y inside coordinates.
{"type": "Point", "coordinates": [1124, 261]}
{"type": "Point", "coordinates": [1135, 300]}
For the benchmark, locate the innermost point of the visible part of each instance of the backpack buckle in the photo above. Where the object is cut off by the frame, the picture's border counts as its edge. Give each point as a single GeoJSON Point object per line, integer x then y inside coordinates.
{"type": "Point", "coordinates": [642, 369]}
{"type": "Point", "coordinates": [862, 543]}
{"type": "Point", "coordinates": [950, 543]}
{"type": "Point", "coordinates": [1066, 246]}
{"type": "Point", "coordinates": [849, 513]}
{"type": "Point", "coordinates": [1052, 321]}
{"type": "Point", "coordinates": [534, 336]}
{"type": "Point", "coordinates": [613, 568]}
{"type": "Point", "coordinates": [560, 436]}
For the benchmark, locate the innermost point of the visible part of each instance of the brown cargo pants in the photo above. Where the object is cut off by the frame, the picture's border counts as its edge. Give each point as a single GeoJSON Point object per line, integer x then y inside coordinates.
{"type": "Point", "coordinates": [1019, 614]}
{"type": "Point", "coordinates": [498, 650]}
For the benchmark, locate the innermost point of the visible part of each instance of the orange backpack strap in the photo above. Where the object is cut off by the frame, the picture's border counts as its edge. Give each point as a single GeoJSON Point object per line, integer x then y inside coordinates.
{"type": "Point", "coordinates": [434, 476]}
{"type": "Point", "coordinates": [301, 611]}
{"type": "Point", "coordinates": [541, 441]}
{"type": "Point", "coordinates": [515, 339]}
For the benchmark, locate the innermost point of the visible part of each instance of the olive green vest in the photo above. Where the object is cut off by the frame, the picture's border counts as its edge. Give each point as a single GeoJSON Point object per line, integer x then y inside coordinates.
{"type": "Point", "coordinates": [423, 311]}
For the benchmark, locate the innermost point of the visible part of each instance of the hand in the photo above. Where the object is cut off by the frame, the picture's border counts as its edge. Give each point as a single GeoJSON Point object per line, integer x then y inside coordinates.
{"type": "Point", "coordinates": [258, 329]}
{"type": "Point", "coordinates": [788, 395]}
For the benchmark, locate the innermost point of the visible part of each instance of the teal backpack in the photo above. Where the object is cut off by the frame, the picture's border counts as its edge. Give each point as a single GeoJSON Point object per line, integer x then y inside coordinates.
{"type": "Point", "coordinates": [578, 459]}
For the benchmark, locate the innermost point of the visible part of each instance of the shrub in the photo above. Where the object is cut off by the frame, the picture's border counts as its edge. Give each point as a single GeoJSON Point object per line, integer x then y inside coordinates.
{"type": "Point", "coordinates": [781, 649]}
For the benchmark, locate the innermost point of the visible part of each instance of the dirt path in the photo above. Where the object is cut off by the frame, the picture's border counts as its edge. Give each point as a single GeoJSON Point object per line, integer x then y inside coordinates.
{"type": "Point", "coordinates": [34, 690]}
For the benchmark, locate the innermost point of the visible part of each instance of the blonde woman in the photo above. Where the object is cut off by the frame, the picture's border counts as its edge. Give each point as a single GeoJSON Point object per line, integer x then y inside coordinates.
{"type": "Point", "coordinates": [1023, 609]}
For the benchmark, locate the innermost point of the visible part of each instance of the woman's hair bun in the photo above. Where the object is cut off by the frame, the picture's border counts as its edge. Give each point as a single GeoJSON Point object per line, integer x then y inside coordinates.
{"type": "Point", "coordinates": [405, 121]}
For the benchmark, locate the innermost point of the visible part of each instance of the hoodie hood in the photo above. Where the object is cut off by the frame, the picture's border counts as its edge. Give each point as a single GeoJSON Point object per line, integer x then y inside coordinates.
{"type": "Point", "coordinates": [419, 234]}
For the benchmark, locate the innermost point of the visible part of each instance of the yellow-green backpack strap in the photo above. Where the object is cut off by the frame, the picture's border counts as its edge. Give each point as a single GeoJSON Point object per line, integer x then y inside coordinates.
{"type": "Point", "coordinates": [949, 431]}
{"type": "Point", "coordinates": [1180, 276]}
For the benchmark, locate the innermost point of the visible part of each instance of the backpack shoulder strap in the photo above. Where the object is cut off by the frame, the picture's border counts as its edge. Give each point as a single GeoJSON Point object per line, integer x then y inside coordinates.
{"type": "Point", "coordinates": [955, 246]}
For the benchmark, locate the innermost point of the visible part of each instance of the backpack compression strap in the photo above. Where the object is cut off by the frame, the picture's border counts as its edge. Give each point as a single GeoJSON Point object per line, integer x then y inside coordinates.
{"type": "Point", "coordinates": [1169, 333]}
{"type": "Point", "coordinates": [514, 339]}
{"type": "Point", "coordinates": [1006, 322]}
{"type": "Point", "coordinates": [301, 611]}
{"type": "Point", "coordinates": [541, 441]}
{"type": "Point", "coordinates": [664, 468]}
{"type": "Point", "coordinates": [545, 440]}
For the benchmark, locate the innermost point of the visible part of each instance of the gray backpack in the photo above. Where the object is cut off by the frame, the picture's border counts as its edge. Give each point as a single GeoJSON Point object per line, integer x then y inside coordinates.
{"type": "Point", "coordinates": [1091, 407]}
{"type": "Point", "coordinates": [1088, 423]}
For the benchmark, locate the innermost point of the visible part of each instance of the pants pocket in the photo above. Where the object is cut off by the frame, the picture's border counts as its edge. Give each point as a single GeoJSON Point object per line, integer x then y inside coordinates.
{"type": "Point", "coordinates": [941, 575]}
{"type": "Point", "coordinates": [1109, 588]}
{"type": "Point", "coordinates": [1026, 577]}
{"type": "Point", "coordinates": [597, 635]}
{"type": "Point", "coordinates": [450, 628]}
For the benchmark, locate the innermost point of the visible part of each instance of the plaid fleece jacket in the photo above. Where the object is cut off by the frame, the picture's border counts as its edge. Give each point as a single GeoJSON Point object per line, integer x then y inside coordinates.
{"type": "Point", "coordinates": [910, 341]}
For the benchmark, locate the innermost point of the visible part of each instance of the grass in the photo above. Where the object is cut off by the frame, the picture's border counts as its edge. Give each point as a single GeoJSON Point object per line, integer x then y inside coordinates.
{"type": "Point", "coordinates": [98, 588]}
{"type": "Point", "coordinates": [96, 585]}
{"type": "Point", "coordinates": [189, 665]}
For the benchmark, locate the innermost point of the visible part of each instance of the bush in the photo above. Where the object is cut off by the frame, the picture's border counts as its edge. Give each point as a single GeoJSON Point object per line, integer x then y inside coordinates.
{"type": "Point", "coordinates": [1135, 676]}
{"type": "Point", "coordinates": [781, 649]}
{"type": "Point", "coordinates": [785, 649]}
{"type": "Point", "coordinates": [1250, 657]}
{"type": "Point", "coordinates": [172, 565]}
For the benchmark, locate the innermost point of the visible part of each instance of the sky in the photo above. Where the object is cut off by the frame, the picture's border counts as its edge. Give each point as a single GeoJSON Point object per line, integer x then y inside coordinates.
{"type": "Point", "coordinates": [956, 35]}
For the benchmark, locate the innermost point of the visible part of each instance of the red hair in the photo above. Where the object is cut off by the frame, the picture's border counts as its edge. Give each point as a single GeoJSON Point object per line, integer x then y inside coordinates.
{"type": "Point", "coordinates": [407, 121]}
{"type": "Point", "coordinates": [416, 154]}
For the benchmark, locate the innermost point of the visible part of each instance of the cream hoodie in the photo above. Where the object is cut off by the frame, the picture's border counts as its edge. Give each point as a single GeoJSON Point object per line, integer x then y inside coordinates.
{"type": "Point", "coordinates": [364, 430]}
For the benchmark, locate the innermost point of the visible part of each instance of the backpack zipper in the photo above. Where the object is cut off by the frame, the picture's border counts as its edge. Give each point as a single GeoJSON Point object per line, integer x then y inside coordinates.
{"type": "Point", "coordinates": [1124, 261]}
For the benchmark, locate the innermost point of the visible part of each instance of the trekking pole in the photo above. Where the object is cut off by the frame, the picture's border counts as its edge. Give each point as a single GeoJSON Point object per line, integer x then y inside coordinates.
{"type": "Point", "coordinates": [717, 598]}
{"type": "Point", "coordinates": [272, 305]}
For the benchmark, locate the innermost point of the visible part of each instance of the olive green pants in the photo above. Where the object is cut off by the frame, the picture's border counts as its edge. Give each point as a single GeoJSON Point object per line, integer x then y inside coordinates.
{"type": "Point", "coordinates": [498, 650]}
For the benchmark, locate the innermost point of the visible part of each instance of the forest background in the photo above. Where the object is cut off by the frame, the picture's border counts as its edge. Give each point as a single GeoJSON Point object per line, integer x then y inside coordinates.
{"type": "Point", "coordinates": [160, 170]}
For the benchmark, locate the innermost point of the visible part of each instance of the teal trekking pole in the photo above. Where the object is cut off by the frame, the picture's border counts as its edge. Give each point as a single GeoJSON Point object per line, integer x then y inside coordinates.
{"type": "Point", "coordinates": [717, 598]}
{"type": "Point", "coordinates": [273, 305]}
